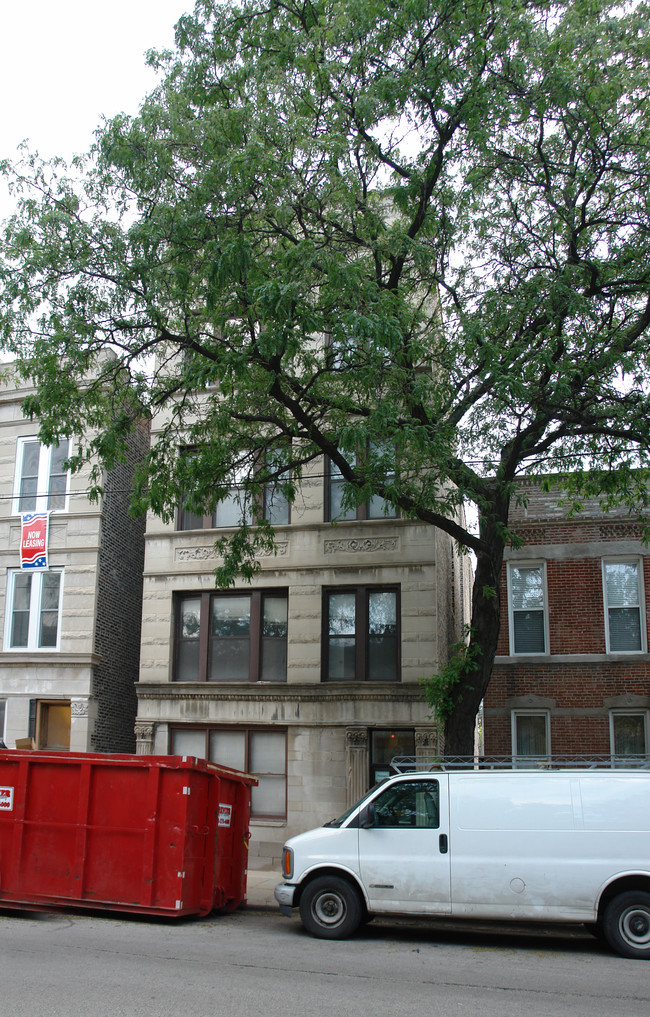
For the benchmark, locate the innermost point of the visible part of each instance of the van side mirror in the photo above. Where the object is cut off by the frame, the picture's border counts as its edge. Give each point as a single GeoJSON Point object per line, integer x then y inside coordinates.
{"type": "Point", "coordinates": [368, 817]}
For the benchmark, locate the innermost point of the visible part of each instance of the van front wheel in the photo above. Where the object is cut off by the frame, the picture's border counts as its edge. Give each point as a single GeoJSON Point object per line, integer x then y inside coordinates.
{"type": "Point", "coordinates": [330, 908]}
{"type": "Point", "coordinates": [627, 924]}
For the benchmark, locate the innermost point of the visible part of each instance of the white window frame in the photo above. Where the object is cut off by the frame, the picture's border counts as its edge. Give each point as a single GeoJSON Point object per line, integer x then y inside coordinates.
{"type": "Point", "coordinates": [34, 612]}
{"type": "Point", "coordinates": [43, 481]}
{"type": "Point", "coordinates": [511, 627]}
{"type": "Point", "coordinates": [514, 715]}
{"type": "Point", "coordinates": [625, 560]}
{"type": "Point", "coordinates": [629, 713]}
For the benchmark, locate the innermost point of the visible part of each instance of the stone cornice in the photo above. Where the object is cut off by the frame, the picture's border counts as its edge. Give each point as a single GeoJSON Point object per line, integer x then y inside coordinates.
{"type": "Point", "coordinates": [221, 692]}
{"type": "Point", "coordinates": [19, 658]}
{"type": "Point", "coordinates": [564, 659]}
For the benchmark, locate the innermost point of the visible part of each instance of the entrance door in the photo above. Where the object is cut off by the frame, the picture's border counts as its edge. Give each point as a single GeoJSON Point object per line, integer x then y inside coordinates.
{"type": "Point", "coordinates": [404, 857]}
{"type": "Point", "coordinates": [53, 725]}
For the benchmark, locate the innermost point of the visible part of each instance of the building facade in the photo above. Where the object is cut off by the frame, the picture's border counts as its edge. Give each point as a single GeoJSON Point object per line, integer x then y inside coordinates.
{"type": "Point", "coordinates": [70, 631]}
{"type": "Point", "coordinates": [307, 677]}
{"type": "Point", "coordinates": [572, 674]}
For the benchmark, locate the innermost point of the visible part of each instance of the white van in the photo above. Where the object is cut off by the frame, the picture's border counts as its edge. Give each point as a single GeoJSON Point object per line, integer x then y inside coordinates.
{"type": "Point", "coordinates": [553, 846]}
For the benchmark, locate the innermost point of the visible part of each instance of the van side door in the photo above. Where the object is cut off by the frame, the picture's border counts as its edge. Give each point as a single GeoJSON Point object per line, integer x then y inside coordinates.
{"type": "Point", "coordinates": [404, 858]}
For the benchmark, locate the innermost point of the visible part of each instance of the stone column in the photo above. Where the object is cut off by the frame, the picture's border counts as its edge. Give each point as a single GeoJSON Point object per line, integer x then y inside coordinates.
{"type": "Point", "coordinates": [356, 762]}
{"type": "Point", "coordinates": [82, 718]}
{"type": "Point", "coordinates": [427, 746]}
{"type": "Point", "coordinates": [143, 739]}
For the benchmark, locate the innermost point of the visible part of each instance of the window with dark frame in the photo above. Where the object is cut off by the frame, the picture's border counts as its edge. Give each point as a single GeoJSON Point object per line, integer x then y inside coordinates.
{"type": "Point", "coordinates": [231, 637]}
{"type": "Point", "coordinates": [235, 509]}
{"type": "Point", "coordinates": [384, 746]}
{"type": "Point", "coordinates": [361, 634]}
{"type": "Point", "coordinates": [260, 751]}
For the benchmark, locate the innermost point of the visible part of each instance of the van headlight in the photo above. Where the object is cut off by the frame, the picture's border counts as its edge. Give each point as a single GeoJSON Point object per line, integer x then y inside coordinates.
{"type": "Point", "coordinates": [287, 863]}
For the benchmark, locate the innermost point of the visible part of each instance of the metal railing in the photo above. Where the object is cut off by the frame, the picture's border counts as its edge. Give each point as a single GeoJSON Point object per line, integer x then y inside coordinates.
{"type": "Point", "coordinates": [408, 764]}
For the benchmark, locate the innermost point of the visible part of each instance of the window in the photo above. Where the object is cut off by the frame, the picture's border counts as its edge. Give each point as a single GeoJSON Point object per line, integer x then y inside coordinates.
{"type": "Point", "coordinates": [375, 508]}
{"type": "Point", "coordinates": [628, 734]}
{"type": "Point", "coordinates": [530, 734]}
{"type": "Point", "coordinates": [526, 603]}
{"type": "Point", "coordinates": [33, 610]}
{"type": "Point", "coordinates": [624, 630]}
{"type": "Point", "coordinates": [41, 482]}
{"type": "Point", "coordinates": [236, 508]}
{"type": "Point", "coordinates": [3, 706]}
{"type": "Point", "coordinates": [384, 746]}
{"type": "Point", "coordinates": [262, 752]}
{"type": "Point", "coordinates": [361, 638]}
{"type": "Point", "coordinates": [415, 803]}
{"type": "Point", "coordinates": [275, 505]}
{"type": "Point", "coordinates": [232, 637]}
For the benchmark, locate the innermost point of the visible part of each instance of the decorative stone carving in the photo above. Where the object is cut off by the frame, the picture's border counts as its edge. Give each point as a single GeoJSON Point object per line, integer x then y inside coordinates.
{"type": "Point", "coordinates": [427, 745]}
{"type": "Point", "coordinates": [79, 708]}
{"type": "Point", "coordinates": [143, 739]}
{"type": "Point", "coordinates": [210, 553]}
{"type": "Point", "coordinates": [356, 738]}
{"type": "Point", "coordinates": [366, 545]}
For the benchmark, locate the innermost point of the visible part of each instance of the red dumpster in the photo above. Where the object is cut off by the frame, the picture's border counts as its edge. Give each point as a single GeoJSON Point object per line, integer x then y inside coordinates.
{"type": "Point", "coordinates": [163, 835]}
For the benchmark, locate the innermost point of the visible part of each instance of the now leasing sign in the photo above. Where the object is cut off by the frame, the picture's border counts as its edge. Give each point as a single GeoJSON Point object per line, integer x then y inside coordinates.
{"type": "Point", "coordinates": [33, 540]}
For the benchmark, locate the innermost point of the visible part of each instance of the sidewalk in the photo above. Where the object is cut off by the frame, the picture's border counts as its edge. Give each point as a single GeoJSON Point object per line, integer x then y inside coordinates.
{"type": "Point", "coordinates": [260, 886]}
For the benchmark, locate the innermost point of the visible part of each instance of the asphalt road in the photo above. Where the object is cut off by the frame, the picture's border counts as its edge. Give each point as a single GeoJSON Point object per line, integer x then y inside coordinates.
{"type": "Point", "coordinates": [77, 965]}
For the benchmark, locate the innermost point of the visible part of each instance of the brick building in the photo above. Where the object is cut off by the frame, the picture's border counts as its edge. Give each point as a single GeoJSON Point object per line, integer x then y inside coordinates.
{"type": "Point", "coordinates": [572, 673]}
{"type": "Point", "coordinates": [70, 632]}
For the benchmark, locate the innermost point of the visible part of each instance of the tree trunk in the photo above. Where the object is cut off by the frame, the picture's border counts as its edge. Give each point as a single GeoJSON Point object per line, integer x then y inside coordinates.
{"type": "Point", "coordinates": [468, 694]}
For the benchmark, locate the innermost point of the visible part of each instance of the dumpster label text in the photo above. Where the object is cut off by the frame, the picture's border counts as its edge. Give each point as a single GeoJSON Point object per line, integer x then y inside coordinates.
{"type": "Point", "coordinates": [6, 799]}
{"type": "Point", "coordinates": [225, 814]}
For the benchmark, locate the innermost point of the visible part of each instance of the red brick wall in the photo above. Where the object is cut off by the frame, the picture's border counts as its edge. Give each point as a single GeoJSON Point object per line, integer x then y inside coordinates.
{"type": "Point", "coordinates": [579, 695]}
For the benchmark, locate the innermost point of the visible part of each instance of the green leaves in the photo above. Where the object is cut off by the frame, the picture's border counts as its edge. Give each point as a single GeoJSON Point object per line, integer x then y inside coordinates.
{"type": "Point", "coordinates": [424, 225]}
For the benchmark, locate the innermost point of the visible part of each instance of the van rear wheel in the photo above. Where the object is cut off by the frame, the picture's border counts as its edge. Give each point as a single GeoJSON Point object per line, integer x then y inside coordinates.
{"type": "Point", "coordinates": [627, 924]}
{"type": "Point", "coordinates": [331, 908]}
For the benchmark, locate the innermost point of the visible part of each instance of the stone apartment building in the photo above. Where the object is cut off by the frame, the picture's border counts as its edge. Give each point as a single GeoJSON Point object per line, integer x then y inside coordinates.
{"type": "Point", "coordinates": [308, 677]}
{"type": "Point", "coordinates": [71, 631]}
{"type": "Point", "coordinates": [572, 674]}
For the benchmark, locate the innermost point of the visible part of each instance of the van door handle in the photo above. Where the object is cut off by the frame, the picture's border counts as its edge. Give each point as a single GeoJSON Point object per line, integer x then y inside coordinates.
{"type": "Point", "coordinates": [443, 843]}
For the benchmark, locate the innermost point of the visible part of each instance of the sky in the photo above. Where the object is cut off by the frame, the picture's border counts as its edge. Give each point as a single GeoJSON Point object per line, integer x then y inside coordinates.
{"type": "Point", "coordinates": [64, 64]}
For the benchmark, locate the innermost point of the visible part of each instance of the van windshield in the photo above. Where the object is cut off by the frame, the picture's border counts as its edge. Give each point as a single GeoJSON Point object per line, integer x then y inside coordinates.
{"type": "Point", "coordinates": [348, 812]}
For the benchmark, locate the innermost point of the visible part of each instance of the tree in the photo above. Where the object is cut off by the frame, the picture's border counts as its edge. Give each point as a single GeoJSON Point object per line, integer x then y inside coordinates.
{"type": "Point", "coordinates": [411, 236]}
